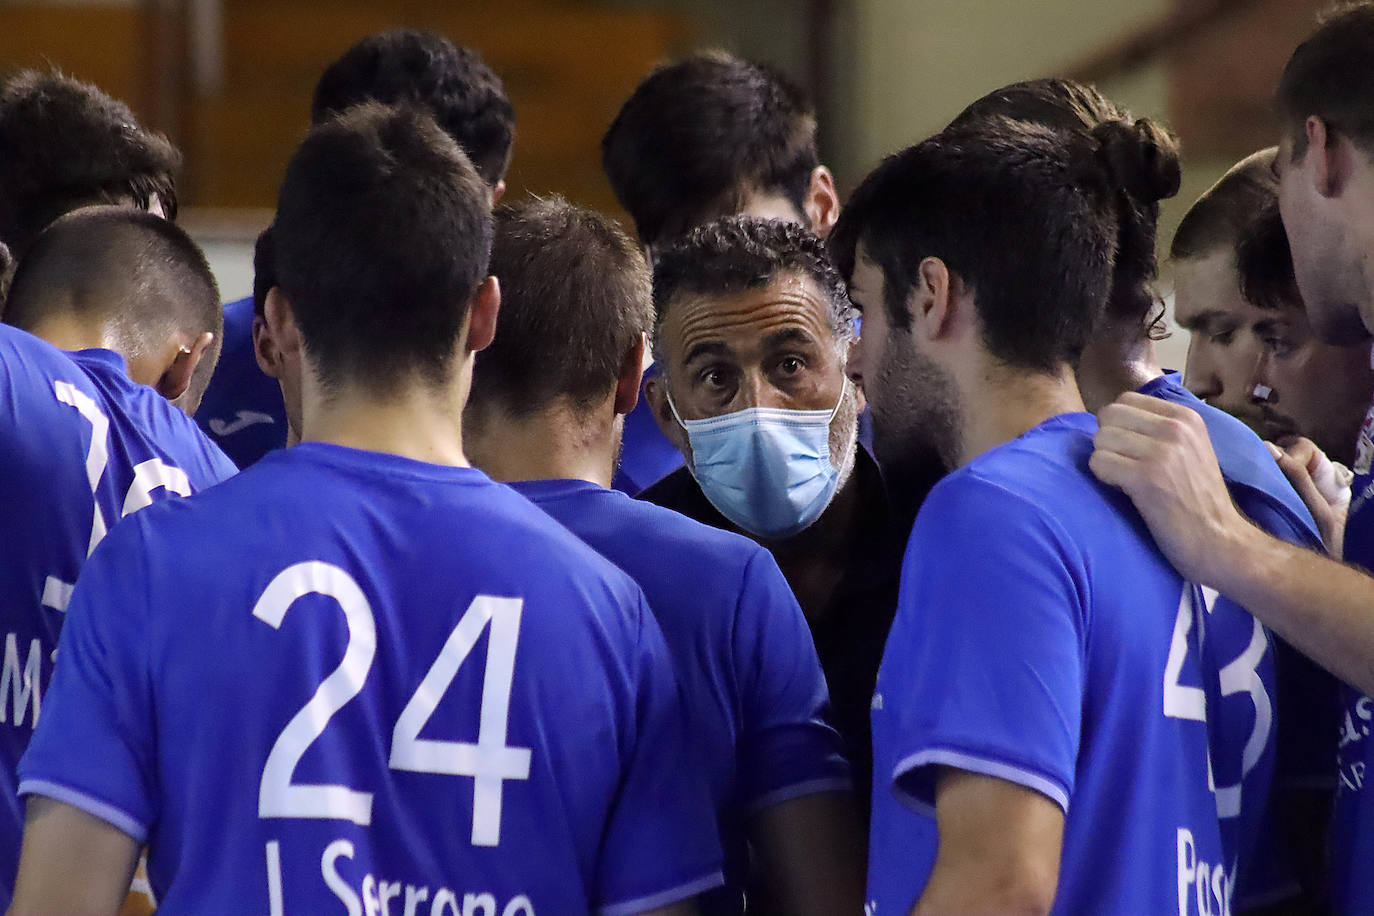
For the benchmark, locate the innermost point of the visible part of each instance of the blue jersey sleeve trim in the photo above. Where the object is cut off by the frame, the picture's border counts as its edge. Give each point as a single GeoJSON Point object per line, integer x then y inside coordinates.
{"type": "Point", "coordinates": [962, 760]}
{"type": "Point", "coordinates": [117, 818]}
{"type": "Point", "coordinates": [800, 790]}
{"type": "Point", "coordinates": [664, 898]}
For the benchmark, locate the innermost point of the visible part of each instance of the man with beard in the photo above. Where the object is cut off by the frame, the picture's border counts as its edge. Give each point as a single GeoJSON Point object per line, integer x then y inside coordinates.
{"type": "Point", "coordinates": [751, 336]}
{"type": "Point", "coordinates": [1018, 699]}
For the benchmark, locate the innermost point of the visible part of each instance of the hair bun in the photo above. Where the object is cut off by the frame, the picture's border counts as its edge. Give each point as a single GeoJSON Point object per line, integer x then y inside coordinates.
{"type": "Point", "coordinates": [1142, 158]}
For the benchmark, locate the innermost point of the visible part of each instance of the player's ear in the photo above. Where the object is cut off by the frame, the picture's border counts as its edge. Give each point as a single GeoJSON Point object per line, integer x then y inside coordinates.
{"type": "Point", "coordinates": [482, 312]}
{"type": "Point", "coordinates": [935, 300]}
{"type": "Point", "coordinates": [176, 378]}
{"type": "Point", "coordinates": [276, 338]}
{"type": "Point", "coordinates": [822, 201]}
{"type": "Point", "coordinates": [628, 379]}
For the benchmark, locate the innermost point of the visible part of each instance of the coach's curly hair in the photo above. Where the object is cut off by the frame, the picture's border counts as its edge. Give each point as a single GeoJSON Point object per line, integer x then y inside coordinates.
{"type": "Point", "coordinates": [66, 144]}
{"type": "Point", "coordinates": [736, 253]}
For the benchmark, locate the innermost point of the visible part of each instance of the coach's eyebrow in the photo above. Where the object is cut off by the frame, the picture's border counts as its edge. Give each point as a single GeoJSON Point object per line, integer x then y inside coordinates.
{"type": "Point", "coordinates": [707, 348]}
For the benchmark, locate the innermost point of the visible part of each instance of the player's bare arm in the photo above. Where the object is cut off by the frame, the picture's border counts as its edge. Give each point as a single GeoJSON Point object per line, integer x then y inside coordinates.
{"type": "Point", "coordinates": [999, 848]}
{"type": "Point", "coordinates": [811, 854]}
{"type": "Point", "coordinates": [1160, 455]}
{"type": "Point", "coordinates": [72, 862]}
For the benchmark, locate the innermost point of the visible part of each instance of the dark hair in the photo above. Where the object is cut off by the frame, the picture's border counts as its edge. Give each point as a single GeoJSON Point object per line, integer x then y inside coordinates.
{"type": "Point", "coordinates": [104, 261]}
{"type": "Point", "coordinates": [264, 270]}
{"type": "Point", "coordinates": [1240, 214]}
{"type": "Point", "coordinates": [575, 298]}
{"type": "Point", "coordinates": [1149, 171]}
{"type": "Point", "coordinates": [737, 253]}
{"type": "Point", "coordinates": [1329, 76]}
{"type": "Point", "coordinates": [1264, 262]}
{"type": "Point", "coordinates": [1221, 215]}
{"type": "Point", "coordinates": [382, 236]}
{"type": "Point", "coordinates": [1022, 214]}
{"type": "Point", "coordinates": [465, 98]}
{"type": "Point", "coordinates": [65, 144]}
{"type": "Point", "coordinates": [697, 135]}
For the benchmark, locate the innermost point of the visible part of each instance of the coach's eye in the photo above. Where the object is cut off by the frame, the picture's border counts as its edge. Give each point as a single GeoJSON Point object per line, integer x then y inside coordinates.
{"type": "Point", "coordinates": [791, 365]}
{"type": "Point", "coordinates": [1223, 338]}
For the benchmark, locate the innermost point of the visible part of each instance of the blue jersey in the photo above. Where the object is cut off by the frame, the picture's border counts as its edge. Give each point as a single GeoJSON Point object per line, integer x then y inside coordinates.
{"type": "Point", "coordinates": [646, 455]}
{"type": "Point", "coordinates": [754, 690]}
{"type": "Point", "coordinates": [1043, 639]}
{"type": "Point", "coordinates": [434, 695]}
{"type": "Point", "coordinates": [1352, 840]}
{"type": "Point", "coordinates": [242, 410]}
{"type": "Point", "coordinates": [81, 446]}
{"type": "Point", "coordinates": [1303, 699]}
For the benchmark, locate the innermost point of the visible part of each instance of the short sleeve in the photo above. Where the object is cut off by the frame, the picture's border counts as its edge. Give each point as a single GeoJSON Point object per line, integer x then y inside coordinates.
{"type": "Point", "coordinates": [787, 747]}
{"type": "Point", "coordinates": [661, 844]}
{"type": "Point", "coordinates": [987, 654]}
{"type": "Point", "coordinates": [93, 748]}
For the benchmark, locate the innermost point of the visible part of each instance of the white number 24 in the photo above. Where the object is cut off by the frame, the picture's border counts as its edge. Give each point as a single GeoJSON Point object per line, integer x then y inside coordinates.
{"type": "Point", "coordinates": [1240, 676]}
{"type": "Point", "coordinates": [489, 761]}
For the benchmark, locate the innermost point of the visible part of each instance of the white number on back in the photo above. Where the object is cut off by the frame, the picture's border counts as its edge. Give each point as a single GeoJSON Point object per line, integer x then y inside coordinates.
{"type": "Point", "coordinates": [149, 476]}
{"type": "Point", "coordinates": [489, 761]}
{"type": "Point", "coordinates": [1240, 676]}
{"type": "Point", "coordinates": [278, 796]}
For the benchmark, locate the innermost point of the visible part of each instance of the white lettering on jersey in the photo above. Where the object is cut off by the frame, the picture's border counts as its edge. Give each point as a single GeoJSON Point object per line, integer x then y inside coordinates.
{"type": "Point", "coordinates": [17, 686]}
{"type": "Point", "coordinates": [1354, 731]}
{"type": "Point", "coordinates": [1203, 888]}
{"type": "Point", "coordinates": [374, 897]}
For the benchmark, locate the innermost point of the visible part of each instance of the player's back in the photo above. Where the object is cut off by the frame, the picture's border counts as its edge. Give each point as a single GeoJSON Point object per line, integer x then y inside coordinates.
{"type": "Point", "coordinates": [1304, 699]}
{"type": "Point", "coordinates": [81, 446]}
{"type": "Point", "coordinates": [755, 694]}
{"type": "Point", "coordinates": [346, 676]}
{"type": "Point", "coordinates": [1043, 639]}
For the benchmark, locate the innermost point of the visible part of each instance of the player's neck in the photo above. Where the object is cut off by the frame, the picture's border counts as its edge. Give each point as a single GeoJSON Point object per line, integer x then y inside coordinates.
{"type": "Point", "coordinates": [417, 421]}
{"type": "Point", "coordinates": [1009, 403]}
{"type": "Point", "coordinates": [66, 331]}
{"type": "Point", "coordinates": [1116, 360]}
{"type": "Point", "coordinates": [556, 443]}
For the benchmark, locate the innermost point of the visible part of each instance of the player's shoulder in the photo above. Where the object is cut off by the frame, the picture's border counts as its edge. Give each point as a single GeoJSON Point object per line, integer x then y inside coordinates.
{"type": "Point", "coordinates": [1254, 479]}
{"type": "Point", "coordinates": [1035, 487]}
{"type": "Point", "coordinates": [655, 544]}
{"type": "Point", "coordinates": [25, 358]}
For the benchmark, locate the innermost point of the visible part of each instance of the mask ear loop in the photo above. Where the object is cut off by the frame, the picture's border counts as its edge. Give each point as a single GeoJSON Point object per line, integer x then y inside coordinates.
{"type": "Point", "coordinates": [844, 393]}
{"type": "Point", "coordinates": [673, 407]}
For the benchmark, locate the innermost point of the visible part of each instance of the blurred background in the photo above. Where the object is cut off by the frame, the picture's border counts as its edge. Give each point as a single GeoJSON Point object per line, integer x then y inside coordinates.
{"type": "Point", "coordinates": [230, 80]}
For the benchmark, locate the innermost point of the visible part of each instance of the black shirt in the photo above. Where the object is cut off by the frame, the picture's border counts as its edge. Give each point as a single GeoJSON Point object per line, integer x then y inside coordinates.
{"type": "Point", "coordinates": [851, 630]}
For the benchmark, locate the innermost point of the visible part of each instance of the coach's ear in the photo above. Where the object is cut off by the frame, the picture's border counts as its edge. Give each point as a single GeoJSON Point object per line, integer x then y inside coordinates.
{"type": "Point", "coordinates": [176, 378]}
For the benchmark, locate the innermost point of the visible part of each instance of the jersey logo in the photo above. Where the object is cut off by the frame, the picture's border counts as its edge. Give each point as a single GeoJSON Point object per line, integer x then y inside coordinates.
{"type": "Point", "coordinates": [1364, 449]}
{"type": "Point", "coordinates": [242, 421]}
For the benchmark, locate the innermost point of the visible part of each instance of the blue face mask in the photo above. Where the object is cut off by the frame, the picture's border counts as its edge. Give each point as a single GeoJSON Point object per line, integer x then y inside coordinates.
{"type": "Point", "coordinates": [766, 469]}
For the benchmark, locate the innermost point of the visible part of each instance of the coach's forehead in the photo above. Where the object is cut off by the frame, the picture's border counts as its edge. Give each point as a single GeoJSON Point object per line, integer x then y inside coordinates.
{"type": "Point", "coordinates": [788, 303]}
